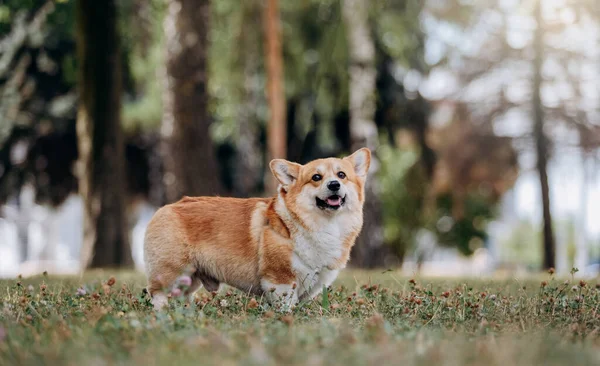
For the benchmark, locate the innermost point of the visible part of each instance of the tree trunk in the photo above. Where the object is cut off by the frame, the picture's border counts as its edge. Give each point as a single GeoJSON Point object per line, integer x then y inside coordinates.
{"type": "Point", "coordinates": [276, 129]}
{"type": "Point", "coordinates": [582, 252]}
{"type": "Point", "coordinates": [541, 140]}
{"type": "Point", "coordinates": [249, 162]}
{"type": "Point", "coordinates": [101, 150]}
{"type": "Point", "coordinates": [188, 154]}
{"type": "Point", "coordinates": [24, 201]}
{"type": "Point", "coordinates": [369, 250]}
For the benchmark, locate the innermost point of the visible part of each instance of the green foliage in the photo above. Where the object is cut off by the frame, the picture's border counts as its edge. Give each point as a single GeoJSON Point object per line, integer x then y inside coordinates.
{"type": "Point", "coordinates": [141, 26]}
{"type": "Point", "coordinates": [397, 25]}
{"type": "Point", "coordinates": [402, 191]}
{"type": "Point", "coordinates": [367, 318]}
{"type": "Point", "coordinates": [521, 246]}
{"type": "Point", "coordinates": [61, 20]}
{"type": "Point", "coordinates": [467, 233]}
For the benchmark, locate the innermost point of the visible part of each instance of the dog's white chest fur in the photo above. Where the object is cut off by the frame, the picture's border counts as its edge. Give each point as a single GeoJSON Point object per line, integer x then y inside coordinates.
{"type": "Point", "coordinates": [317, 251]}
{"type": "Point", "coordinates": [318, 247]}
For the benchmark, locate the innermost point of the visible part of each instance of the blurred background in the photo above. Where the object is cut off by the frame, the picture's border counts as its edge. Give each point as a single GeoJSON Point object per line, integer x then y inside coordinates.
{"type": "Point", "coordinates": [483, 116]}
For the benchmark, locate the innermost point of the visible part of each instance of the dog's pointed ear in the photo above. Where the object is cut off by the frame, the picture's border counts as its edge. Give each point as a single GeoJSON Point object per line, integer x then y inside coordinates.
{"type": "Point", "coordinates": [360, 160]}
{"type": "Point", "coordinates": [285, 171]}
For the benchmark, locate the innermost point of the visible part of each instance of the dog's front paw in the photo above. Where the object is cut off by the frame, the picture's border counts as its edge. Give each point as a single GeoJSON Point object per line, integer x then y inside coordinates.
{"type": "Point", "coordinates": [160, 301]}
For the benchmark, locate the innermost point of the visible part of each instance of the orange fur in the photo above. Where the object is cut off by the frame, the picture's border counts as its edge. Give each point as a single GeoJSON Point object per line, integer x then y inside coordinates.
{"type": "Point", "coordinates": [260, 242]}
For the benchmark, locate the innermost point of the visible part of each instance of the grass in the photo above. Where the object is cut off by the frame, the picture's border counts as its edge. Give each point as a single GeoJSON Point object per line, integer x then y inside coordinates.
{"type": "Point", "coordinates": [365, 318]}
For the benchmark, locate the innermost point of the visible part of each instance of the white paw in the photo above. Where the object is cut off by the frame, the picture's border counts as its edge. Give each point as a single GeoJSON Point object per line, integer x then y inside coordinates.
{"type": "Point", "coordinates": [160, 300]}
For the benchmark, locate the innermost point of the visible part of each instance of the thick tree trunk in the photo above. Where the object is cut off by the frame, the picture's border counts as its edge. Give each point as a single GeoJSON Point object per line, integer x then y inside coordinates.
{"type": "Point", "coordinates": [276, 129]}
{"type": "Point", "coordinates": [369, 250]}
{"type": "Point", "coordinates": [188, 154]}
{"type": "Point", "coordinates": [101, 150]}
{"type": "Point", "coordinates": [541, 140]}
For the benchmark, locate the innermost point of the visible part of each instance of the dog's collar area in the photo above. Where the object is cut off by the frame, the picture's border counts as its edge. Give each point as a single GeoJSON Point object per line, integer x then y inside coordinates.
{"type": "Point", "coordinates": [333, 202]}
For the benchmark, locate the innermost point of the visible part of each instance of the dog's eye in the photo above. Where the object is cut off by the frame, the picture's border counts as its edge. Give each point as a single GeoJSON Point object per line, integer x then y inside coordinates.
{"type": "Point", "coordinates": [317, 177]}
{"type": "Point", "coordinates": [341, 175]}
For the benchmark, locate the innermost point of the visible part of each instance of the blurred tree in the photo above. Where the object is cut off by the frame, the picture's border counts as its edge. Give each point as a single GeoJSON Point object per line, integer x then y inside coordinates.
{"type": "Point", "coordinates": [369, 250]}
{"type": "Point", "coordinates": [522, 65]}
{"type": "Point", "coordinates": [541, 140]}
{"type": "Point", "coordinates": [31, 81]}
{"type": "Point", "coordinates": [189, 157]}
{"type": "Point", "coordinates": [276, 127]}
{"type": "Point", "coordinates": [101, 147]}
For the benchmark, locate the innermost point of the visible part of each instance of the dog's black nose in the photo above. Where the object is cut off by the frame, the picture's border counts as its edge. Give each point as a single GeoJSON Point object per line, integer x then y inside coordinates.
{"type": "Point", "coordinates": [334, 185]}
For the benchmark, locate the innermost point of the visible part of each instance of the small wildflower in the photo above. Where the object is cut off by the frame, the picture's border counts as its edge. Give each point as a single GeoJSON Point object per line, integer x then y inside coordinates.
{"type": "Point", "coordinates": [269, 314]}
{"type": "Point", "coordinates": [43, 287]}
{"type": "Point", "coordinates": [574, 288]}
{"type": "Point", "coordinates": [176, 292]}
{"type": "Point", "coordinates": [335, 306]}
{"type": "Point", "coordinates": [412, 281]}
{"type": "Point", "coordinates": [288, 320]}
{"type": "Point", "coordinates": [544, 284]}
{"type": "Point", "coordinates": [360, 301]}
{"type": "Point", "coordinates": [45, 273]}
{"type": "Point", "coordinates": [375, 321]}
{"type": "Point", "coordinates": [184, 281]}
{"type": "Point", "coordinates": [445, 294]}
{"type": "Point", "coordinates": [252, 304]}
{"type": "Point", "coordinates": [598, 286]}
{"type": "Point", "coordinates": [30, 288]}
{"type": "Point", "coordinates": [492, 297]}
{"type": "Point", "coordinates": [81, 291]}
{"type": "Point", "coordinates": [224, 303]}
{"type": "Point", "coordinates": [551, 271]}
{"type": "Point", "coordinates": [582, 283]}
{"type": "Point", "coordinates": [483, 295]}
{"type": "Point", "coordinates": [111, 281]}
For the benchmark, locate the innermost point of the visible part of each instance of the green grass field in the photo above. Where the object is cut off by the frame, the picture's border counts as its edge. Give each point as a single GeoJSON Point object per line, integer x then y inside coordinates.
{"type": "Point", "coordinates": [365, 318]}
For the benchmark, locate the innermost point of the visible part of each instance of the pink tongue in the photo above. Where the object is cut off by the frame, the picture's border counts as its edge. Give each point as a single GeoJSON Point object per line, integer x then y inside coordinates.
{"type": "Point", "coordinates": [334, 201]}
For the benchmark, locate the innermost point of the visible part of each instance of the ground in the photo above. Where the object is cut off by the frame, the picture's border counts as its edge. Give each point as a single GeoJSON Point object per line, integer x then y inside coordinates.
{"type": "Point", "coordinates": [364, 318]}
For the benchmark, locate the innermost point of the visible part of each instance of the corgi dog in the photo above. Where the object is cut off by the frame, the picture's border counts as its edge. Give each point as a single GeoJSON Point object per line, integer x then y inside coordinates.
{"type": "Point", "coordinates": [285, 247]}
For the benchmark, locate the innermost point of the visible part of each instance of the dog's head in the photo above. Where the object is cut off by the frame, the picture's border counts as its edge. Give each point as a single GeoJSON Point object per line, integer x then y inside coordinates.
{"type": "Point", "coordinates": [328, 185]}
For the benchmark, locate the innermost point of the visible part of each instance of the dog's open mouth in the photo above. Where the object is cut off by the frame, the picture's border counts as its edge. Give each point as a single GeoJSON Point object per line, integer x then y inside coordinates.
{"type": "Point", "coordinates": [332, 202]}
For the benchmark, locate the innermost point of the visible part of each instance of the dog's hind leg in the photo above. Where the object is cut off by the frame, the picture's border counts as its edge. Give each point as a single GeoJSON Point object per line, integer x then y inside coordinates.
{"type": "Point", "coordinates": [209, 282]}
